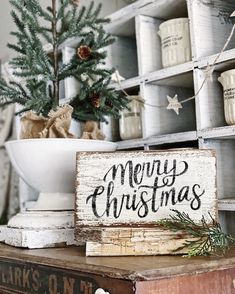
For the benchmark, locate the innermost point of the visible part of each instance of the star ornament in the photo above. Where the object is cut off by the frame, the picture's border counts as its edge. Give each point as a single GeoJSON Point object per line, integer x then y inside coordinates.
{"type": "Point", "coordinates": [174, 104]}
{"type": "Point", "coordinates": [116, 77]}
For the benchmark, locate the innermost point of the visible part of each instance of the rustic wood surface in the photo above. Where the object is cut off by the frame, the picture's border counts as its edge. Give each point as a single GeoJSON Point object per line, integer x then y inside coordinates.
{"type": "Point", "coordinates": [216, 282]}
{"type": "Point", "coordinates": [179, 179]}
{"type": "Point", "coordinates": [67, 269]}
{"type": "Point", "coordinates": [128, 268]}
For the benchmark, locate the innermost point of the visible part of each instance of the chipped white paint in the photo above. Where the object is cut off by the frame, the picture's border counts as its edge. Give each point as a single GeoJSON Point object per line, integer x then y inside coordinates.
{"type": "Point", "coordinates": [39, 229]}
{"type": "Point", "coordinates": [44, 238]}
{"type": "Point", "coordinates": [130, 241]}
{"type": "Point", "coordinates": [105, 196]}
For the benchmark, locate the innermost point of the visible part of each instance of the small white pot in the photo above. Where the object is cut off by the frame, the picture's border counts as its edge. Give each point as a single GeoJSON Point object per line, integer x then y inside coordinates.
{"type": "Point", "coordinates": [176, 45]}
{"type": "Point", "coordinates": [130, 123]}
{"type": "Point", "coordinates": [227, 79]}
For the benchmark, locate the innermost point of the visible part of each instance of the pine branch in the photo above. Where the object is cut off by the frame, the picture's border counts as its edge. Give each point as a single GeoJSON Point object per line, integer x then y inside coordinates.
{"type": "Point", "coordinates": [207, 239]}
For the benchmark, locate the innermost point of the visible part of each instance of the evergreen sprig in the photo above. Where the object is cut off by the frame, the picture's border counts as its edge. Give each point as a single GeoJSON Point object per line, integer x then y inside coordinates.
{"type": "Point", "coordinates": [206, 239]}
{"type": "Point", "coordinates": [37, 74]}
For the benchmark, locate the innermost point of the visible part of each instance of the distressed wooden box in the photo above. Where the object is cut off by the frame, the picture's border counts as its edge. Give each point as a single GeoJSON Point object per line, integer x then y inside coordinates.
{"type": "Point", "coordinates": [121, 196]}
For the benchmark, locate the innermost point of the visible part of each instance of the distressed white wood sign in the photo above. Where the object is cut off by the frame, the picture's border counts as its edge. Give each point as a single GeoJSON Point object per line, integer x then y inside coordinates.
{"type": "Point", "coordinates": [139, 188]}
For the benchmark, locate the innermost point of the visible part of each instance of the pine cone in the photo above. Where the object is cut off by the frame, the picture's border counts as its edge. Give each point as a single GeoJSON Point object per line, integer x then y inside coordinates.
{"type": "Point", "coordinates": [95, 100]}
{"type": "Point", "coordinates": [84, 52]}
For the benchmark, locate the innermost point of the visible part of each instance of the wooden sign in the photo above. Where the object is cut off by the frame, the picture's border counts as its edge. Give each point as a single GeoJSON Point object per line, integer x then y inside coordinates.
{"type": "Point", "coordinates": [139, 188]}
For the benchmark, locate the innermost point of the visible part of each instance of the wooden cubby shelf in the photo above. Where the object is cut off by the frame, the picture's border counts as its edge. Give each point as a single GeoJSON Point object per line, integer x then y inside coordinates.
{"type": "Point", "coordinates": [137, 56]}
{"type": "Point", "coordinates": [226, 204]}
{"type": "Point", "coordinates": [201, 122]}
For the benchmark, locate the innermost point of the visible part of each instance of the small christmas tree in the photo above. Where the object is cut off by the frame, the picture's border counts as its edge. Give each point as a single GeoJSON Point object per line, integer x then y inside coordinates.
{"type": "Point", "coordinates": [39, 73]}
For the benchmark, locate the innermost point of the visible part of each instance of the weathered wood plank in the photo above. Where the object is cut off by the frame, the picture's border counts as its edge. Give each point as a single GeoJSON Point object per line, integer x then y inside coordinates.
{"type": "Point", "coordinates": [216, 282]}
{"type": "Point", "coordinates": [158, 140]}
{"type": "Point", "coordinates": [132, 241]}
{"type": "Point", "coordinates": [139, 188]}
{"type": "Point", "coordinates": [149, 57]}
{"type": "Point", "coordinates": [226, 204]}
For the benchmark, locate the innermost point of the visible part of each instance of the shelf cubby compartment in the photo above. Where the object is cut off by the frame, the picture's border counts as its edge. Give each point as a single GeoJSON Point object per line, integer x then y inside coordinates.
{"type": "Point", "coordinates": [122, 56]}
{"type": "Point", "coordinates": [210, 26]}
{"type": "Point", "coordinates": [148, 40]}
{"type": "Point", "coordinates": [210, 101]}
{"type": "Point", "coordinates": [225, 153]}
{"type": "Point", "coordinates": [157, 119]}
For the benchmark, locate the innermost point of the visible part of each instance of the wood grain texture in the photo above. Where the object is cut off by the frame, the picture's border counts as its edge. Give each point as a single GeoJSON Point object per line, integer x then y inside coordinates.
{"type": "Point", "coordinates": [148, 268]}
{"type": "Point", "coordinates": [108, 186]}
{"type": "Point", "coordinates": [216, 282]}
{"type": "Point", "coordinates": [131, 241]}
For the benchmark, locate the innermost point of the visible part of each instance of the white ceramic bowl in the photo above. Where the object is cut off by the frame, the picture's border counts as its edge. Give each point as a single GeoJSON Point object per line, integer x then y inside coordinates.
{"type": "Point", "coordinates": [48, 165]}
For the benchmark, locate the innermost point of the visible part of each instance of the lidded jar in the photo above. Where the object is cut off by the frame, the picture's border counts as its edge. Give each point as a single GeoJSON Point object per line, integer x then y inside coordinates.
{"type": "Point", "coordinates": [227, 79]}
{"type": "Point", "coordinates": [130, 122]}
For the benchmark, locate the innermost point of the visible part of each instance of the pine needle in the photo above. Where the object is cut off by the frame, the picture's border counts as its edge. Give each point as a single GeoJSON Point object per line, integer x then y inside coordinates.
{"type": "Point", "coordinates": [207, 239]}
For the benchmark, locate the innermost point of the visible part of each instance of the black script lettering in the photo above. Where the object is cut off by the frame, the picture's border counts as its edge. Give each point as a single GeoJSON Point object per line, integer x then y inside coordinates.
{"type": "Point", "coordinates": [155, 207]}
{"type": "Point", "coordinates": [150, 173]}
{"type": "Point", "coordinates": [98, 191]}
{"type": "Point", "coordinates": [138, 168]}
{"type": "Point", "coordinates": [166, 195]}
{"type": "Point", "coordinates": [143, 210]}
{"type": "Point", "coordinates": [36, 282]}
{"type": "Point", "coordinates": [183, 194]}
{"type": "Point", "coordinates": [68, 285]}
{"type": "Point", "coordinates": [169, 180]}
{"type": "Point", "coordinates": [114, 201]}
{"type": "Point", "coordinates": [154, 188]}
{"type": "Point", "coordinates": [127, 169]}
{"type": "Point", "coordinates": [196, 203]}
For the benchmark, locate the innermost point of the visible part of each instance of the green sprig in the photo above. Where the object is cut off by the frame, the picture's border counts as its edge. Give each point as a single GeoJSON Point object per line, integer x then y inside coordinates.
{"type": "Point", "coordinates": [205, 238]}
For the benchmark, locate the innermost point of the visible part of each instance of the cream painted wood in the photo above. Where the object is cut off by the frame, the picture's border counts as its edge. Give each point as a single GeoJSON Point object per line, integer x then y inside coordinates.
{"type": "Point", "coordinates": [210, 25]}
{"type": "Point", "coordinates": [148, 44]}
{"type": "Point", "coordinates": [135, 241]}
{"type": "Point", "coordinates": [225, 152]}
{"type": "Point", "coordinates": [159, 120]}
{"type": "Point", "coordinates": [227, 57]}
{"type": "Point", "coordinates": [158, 140]}
{"type": "Point", "coordinates": [226, 204]}
{"type": "Point", "coordinates": [209, 102]}
{"type": "Point", "coordinates": [44, 238]}
{"type": "Point", "coordinates": [227, 132]}
{"type": "Point", "coordinates": [101, 195]}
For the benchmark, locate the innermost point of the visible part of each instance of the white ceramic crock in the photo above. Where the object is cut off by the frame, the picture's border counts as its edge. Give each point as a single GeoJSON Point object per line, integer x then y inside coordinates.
{"type": "Point", "coordinates": [175, 38]}
{"type": "Point", "coordinates": [227, 79]}
{"type": "Point", "coordinates": [130, 122]}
